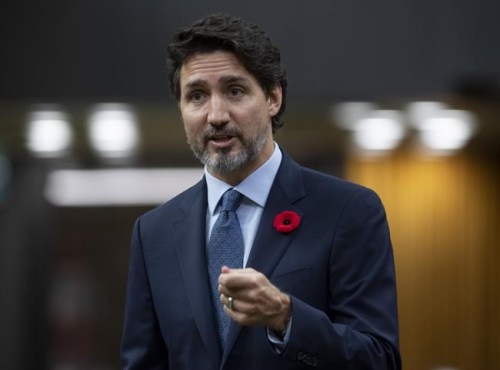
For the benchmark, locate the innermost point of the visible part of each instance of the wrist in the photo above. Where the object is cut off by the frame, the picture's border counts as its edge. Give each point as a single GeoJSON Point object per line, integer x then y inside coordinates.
{"type": "Point", "coordinates": [282, 322]}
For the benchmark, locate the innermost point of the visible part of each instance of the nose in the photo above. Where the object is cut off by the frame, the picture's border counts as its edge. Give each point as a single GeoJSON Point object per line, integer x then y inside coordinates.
{"type": "Point", "coordinates": [218, 114]}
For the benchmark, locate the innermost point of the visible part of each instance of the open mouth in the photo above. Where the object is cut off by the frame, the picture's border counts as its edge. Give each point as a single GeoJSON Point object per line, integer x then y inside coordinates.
{"type": "Point", "coordinates": [222, 141]}
{"type": "Point", "coordinates": [221, 138]}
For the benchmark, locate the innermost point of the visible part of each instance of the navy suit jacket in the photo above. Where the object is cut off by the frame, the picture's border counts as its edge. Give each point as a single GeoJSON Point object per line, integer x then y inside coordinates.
{"type": "Point", "coordinates": [337, 267]}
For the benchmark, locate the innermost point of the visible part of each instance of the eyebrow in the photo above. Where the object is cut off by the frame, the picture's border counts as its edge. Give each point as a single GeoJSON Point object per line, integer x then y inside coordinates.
{"type": "Point", "coordinates": [232, 79]}
{"type": "Point", "coordinates": [224, 79]}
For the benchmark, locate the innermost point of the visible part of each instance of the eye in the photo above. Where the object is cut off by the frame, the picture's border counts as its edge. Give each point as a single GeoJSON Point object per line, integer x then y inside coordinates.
{"type": "Point", "coordinates": [235, 91]}
{"type": "Point", "coordinates": [196, 96]}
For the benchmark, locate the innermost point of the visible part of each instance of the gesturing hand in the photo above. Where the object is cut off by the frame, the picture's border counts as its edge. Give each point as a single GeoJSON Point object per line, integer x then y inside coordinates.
{"type": "Point", "coordinates": [255, 300]}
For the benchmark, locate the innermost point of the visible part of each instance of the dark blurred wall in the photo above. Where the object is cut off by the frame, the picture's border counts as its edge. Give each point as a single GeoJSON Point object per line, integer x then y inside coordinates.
{"type": "Point", "coordinates": [333, 49]}
{"type": "Point", "coordinates": [26, 234]}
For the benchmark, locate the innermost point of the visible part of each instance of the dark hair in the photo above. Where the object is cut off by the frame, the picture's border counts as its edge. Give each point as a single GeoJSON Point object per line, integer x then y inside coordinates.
{"type": "Point", "coordinates": [252, 46]}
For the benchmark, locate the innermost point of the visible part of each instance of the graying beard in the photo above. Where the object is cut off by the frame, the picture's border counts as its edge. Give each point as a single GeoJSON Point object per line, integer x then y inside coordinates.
{"type": "Point", "coordinates": [225, 162]}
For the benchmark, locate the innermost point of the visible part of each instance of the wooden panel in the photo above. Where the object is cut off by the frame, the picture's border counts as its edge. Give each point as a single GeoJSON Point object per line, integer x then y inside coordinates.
{"type": "Point", "coordinates": [444, 215]}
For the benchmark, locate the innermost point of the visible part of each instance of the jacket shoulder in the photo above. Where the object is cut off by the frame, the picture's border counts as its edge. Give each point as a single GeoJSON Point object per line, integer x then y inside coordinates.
{"type": "Point", "coordinates": [331, 188]}
{"type": "Point", "coordinates": [178, 204]}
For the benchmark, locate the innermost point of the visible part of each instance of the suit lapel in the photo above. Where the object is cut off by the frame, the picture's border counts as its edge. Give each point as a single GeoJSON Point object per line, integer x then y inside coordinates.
{"type": "Point", "coordinates": [190, 231]}
{"type": "Point", "coordinates": [269, 244]}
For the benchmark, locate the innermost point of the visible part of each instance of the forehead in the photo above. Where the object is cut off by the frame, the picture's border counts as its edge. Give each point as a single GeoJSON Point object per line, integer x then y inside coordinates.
{"type": "Point", "coordinates": [212, 67]}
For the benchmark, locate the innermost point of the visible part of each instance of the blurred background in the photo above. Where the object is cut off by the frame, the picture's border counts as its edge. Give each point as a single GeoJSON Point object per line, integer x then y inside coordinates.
{"type": "Point", "coordinates": [403, 97]}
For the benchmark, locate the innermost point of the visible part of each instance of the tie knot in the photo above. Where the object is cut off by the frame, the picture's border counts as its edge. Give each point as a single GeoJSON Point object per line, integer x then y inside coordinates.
{"type": "Point", "coordinates": [231, 200]}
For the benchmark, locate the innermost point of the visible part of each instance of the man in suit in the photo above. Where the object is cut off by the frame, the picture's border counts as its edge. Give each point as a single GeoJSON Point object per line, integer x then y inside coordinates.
{"type": "Point", "coordinates": [314, 285]}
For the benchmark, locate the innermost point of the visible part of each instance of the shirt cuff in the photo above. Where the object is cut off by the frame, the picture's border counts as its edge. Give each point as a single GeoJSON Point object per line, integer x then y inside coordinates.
{"type": "Point", "coordinates": [279, 340]}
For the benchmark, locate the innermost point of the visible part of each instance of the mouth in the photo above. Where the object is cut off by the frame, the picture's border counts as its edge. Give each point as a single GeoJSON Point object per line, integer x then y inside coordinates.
{"type": "Point", "coordinates": [222, 141]}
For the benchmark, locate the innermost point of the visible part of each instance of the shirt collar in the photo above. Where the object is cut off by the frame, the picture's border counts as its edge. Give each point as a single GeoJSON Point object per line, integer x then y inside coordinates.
{"type": "Point", "coordinates": [255, 187]}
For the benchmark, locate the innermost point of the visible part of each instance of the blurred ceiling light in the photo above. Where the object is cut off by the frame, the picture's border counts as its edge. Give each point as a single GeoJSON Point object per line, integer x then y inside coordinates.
{"type": "Point", "coordinates": [420, 111]}
{"type": "Point", "coordinates": [48, 133]}
{"type": "Point", "coordinates": [113, 130]}
{"type": "Point", "coordinates": [346, 115]}
{"type": "Point", "coordinates": [118, 187]}
{"type": "Point", "coordinates": [439, 129]}
{"type": "Point", "coordinates": [448, 130]}
{"type": "Point", "coordinates": [380, 131]}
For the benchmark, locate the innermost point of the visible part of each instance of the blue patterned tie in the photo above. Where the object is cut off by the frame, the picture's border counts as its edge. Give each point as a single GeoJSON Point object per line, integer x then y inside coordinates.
{"type": "Point", "coordinates": [225, 248]}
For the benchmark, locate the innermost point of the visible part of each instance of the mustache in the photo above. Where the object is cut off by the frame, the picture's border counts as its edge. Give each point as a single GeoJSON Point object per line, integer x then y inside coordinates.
{"type": "Point", "coordinates": [221, 131]}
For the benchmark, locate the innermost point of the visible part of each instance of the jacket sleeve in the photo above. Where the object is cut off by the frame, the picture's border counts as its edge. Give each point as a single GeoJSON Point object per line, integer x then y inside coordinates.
{"type": "Point", "coordinates": [142, 345]}
{"type": "Point", "coordinates": [360, 328]}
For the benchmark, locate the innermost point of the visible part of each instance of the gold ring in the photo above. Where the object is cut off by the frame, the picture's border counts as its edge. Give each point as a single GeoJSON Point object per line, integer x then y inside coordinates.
{"type": "Point", "coordinates": [230, 302]}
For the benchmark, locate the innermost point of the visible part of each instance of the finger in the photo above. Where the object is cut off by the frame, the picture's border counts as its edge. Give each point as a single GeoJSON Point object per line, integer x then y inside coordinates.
{"type": "Point", "coordinates": [237, 309]}
{"type": "Point", "coordinates": [232, 292]}
{"type": "Point", "coordinates": [235, 315]}
{"type": "Point", "coordinates": [241, 317]}
{"type": "Point", "coordinates": [222, 289]}
{"type": "Point", "coordinates": [252, 288]}
{"type": "Point", "coordinates": [236, 278]}
{"type": "Point", "coordinates": [234, 271]}
{"type": "Point", "coordinates": [226, 269]}
{"type": "Point", "coordinates": [237, 305]}
{"type": "Point", "coordinates": [227, 301]}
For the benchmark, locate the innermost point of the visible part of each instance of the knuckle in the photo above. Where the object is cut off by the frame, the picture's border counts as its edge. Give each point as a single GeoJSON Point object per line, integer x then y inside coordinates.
{"type": "Point", "coordinates": [246, 320]}
{"type": "Point", "coordinates": [258, 279]}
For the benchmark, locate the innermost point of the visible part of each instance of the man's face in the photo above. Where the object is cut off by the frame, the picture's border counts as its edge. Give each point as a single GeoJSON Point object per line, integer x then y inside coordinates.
{"type": "Point", "coordinates": [226, 115]}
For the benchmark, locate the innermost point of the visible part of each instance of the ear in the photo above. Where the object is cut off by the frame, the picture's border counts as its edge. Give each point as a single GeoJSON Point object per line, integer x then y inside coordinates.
{"type": "Point", "coordinates": [274, 100]}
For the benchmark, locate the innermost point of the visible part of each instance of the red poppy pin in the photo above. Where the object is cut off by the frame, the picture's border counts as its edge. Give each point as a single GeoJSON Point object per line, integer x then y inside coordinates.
{"type": "Point", "coordinates": [286, 221]}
